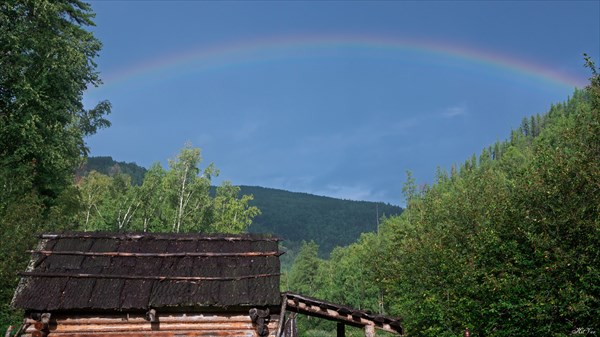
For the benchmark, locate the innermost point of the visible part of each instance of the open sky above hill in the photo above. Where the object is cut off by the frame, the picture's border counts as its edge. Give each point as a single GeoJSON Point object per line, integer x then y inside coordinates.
{"type": "Point", "coordinates": [329, 97]}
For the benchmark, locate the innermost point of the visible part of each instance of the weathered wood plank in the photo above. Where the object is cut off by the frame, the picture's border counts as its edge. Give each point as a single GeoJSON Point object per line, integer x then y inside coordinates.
{"type": "Point", "coordinates": [369, 331]}
{"type": "Point", "coordinates": [139, 318]}
{"type": "Point", "coordinates": [160, 326]}
{"type": "Point", "coordinates": [195, 325]}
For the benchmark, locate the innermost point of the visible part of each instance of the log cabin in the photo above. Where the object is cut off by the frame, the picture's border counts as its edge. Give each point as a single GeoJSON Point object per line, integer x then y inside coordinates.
{"type": "Point", "coordinates": [167, 285]}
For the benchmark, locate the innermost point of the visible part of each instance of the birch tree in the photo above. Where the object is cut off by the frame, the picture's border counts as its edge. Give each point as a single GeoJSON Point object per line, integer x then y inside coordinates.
{"type": "Point", "coordinates": [93, 189]}
{"type": "Point", "coordinates": [175, 200]}
{"type": "Point", "coordinates": [188, 191]}
{"type": "Point", "coordinates": [152, 198]}
{"type": "Point", "coordinates": [125, 200]}
{"type": "Point", "coordinates": [230, 212]}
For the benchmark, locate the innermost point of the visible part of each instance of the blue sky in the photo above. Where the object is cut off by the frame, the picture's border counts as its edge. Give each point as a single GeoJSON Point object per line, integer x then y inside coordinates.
{"type": "Point", "coordinates": [330, 97]}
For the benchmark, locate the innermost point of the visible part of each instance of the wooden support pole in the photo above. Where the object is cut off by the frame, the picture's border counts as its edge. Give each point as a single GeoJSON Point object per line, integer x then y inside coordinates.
{"type": "Point", "coordinates": [341, 329]}
{"type": "Point", "coordinates": [8, 331]}
{"type": "Point", "coordinates": [281, 322]}
{"type": "Point", "coordinates": [369, 330]}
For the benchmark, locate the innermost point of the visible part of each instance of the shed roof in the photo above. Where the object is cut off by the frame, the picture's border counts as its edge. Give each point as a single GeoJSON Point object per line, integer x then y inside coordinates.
{"type": "Point", "coordinates": [340, 313]}
{"type": "Point", "coordinates": [108, 271]}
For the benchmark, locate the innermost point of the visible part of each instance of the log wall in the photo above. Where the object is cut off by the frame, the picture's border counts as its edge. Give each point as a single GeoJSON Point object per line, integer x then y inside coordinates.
{"type": "Point", "coordinates": [136, 325]}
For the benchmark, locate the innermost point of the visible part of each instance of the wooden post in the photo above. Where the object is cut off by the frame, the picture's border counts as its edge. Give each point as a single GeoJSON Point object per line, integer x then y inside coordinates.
{"type": "Point", "coordinates": [341, 329]}
{"type": "Point", "coordinates": [369, 330]}
{"type": "Point", "coordinates": [281, 322]}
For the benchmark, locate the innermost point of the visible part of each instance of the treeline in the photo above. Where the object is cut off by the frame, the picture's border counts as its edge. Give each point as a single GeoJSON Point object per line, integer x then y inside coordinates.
{"type": "Point", "coordinates": [175, 200]}
{"type": "Point", "coordinates": [293, 216]}
{"type": "Point", "coordinates": [108, 166]}
{"type": "Point", "coordinates": [46, 64]}
{"type": "Point", "coordinates": [506, 244]}
{"type": "Point", "coordinates": [329, 222]}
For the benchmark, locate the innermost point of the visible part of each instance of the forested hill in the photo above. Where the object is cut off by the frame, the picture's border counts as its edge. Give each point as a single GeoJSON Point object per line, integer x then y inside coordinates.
{"type": "Point", "coordinates": [329, 222]}
{"type": "Point", "coordinates": [293, 216]}
{"type": "Point", "coordinates": [107, 165]}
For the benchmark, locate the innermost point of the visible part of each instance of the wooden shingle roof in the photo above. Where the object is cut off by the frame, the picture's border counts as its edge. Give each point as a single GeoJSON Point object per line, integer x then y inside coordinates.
{"type": "Point", "coordinates": [108, 271]}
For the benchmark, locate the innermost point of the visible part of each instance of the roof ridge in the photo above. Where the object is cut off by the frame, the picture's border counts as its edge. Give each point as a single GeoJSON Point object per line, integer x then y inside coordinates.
{"type": "Point", "coordinates": [162, 236]}
{"type": "Point", "coordinates": [148, 277]}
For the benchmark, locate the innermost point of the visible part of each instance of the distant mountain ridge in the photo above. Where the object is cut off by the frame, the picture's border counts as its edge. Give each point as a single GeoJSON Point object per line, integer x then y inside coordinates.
{"type": "Point", "coordinates": [292, 216]}
{"type": "Point", "coordinates": [327, 221]}
{"type": "Point", "coordinates": [107, 165]}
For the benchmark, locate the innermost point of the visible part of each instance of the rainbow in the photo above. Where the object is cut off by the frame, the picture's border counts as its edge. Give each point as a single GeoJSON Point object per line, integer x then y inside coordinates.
{"type": "Point", "coordinates": [283, 48]}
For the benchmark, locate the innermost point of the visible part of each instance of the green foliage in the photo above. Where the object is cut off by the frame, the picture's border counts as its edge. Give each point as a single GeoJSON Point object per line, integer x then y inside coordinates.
{"type": "Point", "coordinates": [230, 213]}
{"type": "Point", "coordinates": [46, 63]}
{"type": "Point", "coordinates": [506, 245]}
{"type": "Point", "coordinates": [351, 276]}
{"type": "Point", "coordinates": [303, 275]}
{"type": "Point", "coordinates": [308, 277]}
{"type": "Point", "coordinates": [186, 193]}
{"type": "Point", "coordinates": [509, 246]}
{"type": "Point", "coordinates": [175, 200]}
{"type": "Point", "coordinates": [45, 66]}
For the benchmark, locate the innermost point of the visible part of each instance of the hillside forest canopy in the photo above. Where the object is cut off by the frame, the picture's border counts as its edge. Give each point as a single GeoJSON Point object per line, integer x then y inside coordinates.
{"type": "Point", "coordinates": [505, 244]}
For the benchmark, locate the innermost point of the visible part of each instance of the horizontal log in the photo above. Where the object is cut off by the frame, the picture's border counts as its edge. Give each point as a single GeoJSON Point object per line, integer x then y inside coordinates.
{"type": "Point", "coordinates": [224, 333]}
{"type": "Point", "coordinates": [127, 254]}
{"type": "Point", "coordinates": [172, 325]}
{"type": "Point", "coordinates": [147, 277]}
{"type": "Point", "coordinates": [344, 311]}
{"type": "Point", "coordinates": [159, 326]}
{"type": "Point", "coordinates": [139, 318]}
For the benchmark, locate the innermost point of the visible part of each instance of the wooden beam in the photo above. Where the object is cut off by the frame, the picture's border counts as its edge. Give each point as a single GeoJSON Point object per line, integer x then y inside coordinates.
{"type": "Point", "coordinates": [184, 324]}
{"type": "Point", "coordinates": [192, 333]}
{"type": "Point", "coordinates": [139, 318]}
{"type": "Point", "coordinates": [148, 326]}
{"type": "Point", "coordinates": [333, 315]}
{"type": "Point", "coordinates": [341, 329]}
{"type": "Point", "coordinates": [281, 317]}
